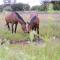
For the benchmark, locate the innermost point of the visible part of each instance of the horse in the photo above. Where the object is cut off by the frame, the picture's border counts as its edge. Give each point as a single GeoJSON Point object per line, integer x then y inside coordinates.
{"type": "Point", "coordinates": [33, 24]}
{"type": "Point", "coordinates": [15, 18]}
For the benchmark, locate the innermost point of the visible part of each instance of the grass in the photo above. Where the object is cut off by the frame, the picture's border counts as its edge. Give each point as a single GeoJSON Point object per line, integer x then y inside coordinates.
{"type": "Point", "coordinates": [30, 52]}
{"type": "Point", "coordinates": [49, 51]}
{"type": "Point", "coordinates": [47, 31]}
{"type": "Point", "coordinates": [8, 35]}
{"type": "Point", "coordinates": [50, 28]}
{"type": "Point", "coordinates": [52, 11]}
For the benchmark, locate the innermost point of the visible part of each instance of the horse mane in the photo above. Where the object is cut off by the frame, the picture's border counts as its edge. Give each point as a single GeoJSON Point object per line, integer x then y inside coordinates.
{"type": "Point", "coordinates": [19, 17]}
{"type": "Point", "coordinates": [32, 19]}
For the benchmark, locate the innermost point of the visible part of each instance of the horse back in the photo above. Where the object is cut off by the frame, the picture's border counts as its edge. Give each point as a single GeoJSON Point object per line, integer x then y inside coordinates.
{"type": "Point", "coordinates": [10, 18]}
{"type": "Point", "coordinates": [35, 20]}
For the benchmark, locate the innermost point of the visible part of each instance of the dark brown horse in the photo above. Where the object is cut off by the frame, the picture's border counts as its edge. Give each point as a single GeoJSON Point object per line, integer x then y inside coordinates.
{"type": "Point", "coordinates": [14, 18]}
{"type": "Point", "coordinates": [34, 24]}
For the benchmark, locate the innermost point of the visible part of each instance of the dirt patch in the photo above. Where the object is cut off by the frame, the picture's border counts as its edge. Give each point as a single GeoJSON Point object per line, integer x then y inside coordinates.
{"type": "Point", "coordinates": [38, 41]}
{"type": "Point", "coordinates": [26, 42]}
{"type": "Point", "coordinates": [19, 42]}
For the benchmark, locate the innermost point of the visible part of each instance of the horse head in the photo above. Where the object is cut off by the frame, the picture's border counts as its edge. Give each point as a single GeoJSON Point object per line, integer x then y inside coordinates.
{"type": "Point", "coordinates": [24, 27]}
{"type": "Point", "coordinates": [33, 24]}
{"type": "Point", "coordinates": [21, 21]}
{"type": "Point", "coordinates": [28, 27]}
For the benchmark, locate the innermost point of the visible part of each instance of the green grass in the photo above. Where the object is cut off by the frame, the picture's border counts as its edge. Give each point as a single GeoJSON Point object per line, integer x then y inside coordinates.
{"type": "Point", "coordinates": [30, 52]}
{"type": "Point", "coordinates": [50, 29]}
{"type": "Point", "coordinates": [47, 31]}
{"type": "Point", "coordinates": [8, 35]}
{"type": "Point", "coordinates": [50, 51]}
{"type": "Point", "coordinates": [52, 11]}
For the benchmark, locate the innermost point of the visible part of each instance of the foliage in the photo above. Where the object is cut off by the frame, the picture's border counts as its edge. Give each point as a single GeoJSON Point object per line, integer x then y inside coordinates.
{"type": "Point", "coordinates": [8, 35]}
{"type": "Point", "coordinates": [20, 7]}
{"type": "Point", "coordinates": [26, 7]}
{"type": "Point", "coordinates": [49, 51]}
{"type": "Point", "coordinates": [1, 9]}
{"type": "Point", "coordinates": [47, 30]}
{"type": "Point", "coordinates": [56, 6]}
{"type": "Point", "coordinates": [50, 29]}
{"type": "Point", "coordinates": [7, 8]}
{"type": "Point", "coordinates": [47, 6]}
{"type": "Point", "coordinates": [39, 8]}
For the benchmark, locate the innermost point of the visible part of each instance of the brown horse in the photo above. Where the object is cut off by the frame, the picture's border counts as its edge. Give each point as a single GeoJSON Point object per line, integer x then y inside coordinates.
{"type": "Point", "coordinates": [14, 18]}
{"type": "Point", "coordinates": [33, 25]}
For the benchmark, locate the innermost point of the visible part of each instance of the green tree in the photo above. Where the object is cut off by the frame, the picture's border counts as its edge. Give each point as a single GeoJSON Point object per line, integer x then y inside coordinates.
{"type": "Point", "coordinates": [17, 7]}
{"type": "Point", "coordinates": [56, 5]}
{"type": "Point", "coordinates": [20, 7]}
{"type": "Point", "coordinates": [26, 7]}
{"type": "Point", "coordinates": [39, 8]}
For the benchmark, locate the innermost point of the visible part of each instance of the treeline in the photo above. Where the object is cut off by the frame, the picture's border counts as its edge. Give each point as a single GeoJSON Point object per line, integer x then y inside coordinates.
{"type": "Point", "coordinates": [26, 7]}
{"type": "Point", "coordinates": [39, 8]}
{"type": "Point", "coordinates": [45, 6]}
{"type": "Point", "coordinates": [56, 6]}
{"type": "Point", "coordinates": [20, 7]}
{"type": "Point", "coordinates": [15, 7]}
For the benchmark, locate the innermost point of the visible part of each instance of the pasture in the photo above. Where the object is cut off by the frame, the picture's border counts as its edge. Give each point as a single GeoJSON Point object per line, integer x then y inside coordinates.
{"type": "Point", "coordinates": [49, 32]}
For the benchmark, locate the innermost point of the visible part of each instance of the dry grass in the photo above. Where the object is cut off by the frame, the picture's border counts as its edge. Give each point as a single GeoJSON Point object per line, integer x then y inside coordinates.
{"type": "Point", "coordinates": [51, 51]}
{"type": "Point", "coordinates": [43, 18]}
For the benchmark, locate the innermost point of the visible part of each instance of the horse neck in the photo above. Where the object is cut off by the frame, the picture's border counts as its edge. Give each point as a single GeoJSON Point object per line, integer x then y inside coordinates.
{"type": "Point", "coordinates": [32, 20]}
{"type": "Point", "coordinates": [21, 22]}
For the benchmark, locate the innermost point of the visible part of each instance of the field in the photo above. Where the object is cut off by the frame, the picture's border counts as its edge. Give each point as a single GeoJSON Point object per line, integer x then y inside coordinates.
{"type": "Point", "coordinates": [49, 32]}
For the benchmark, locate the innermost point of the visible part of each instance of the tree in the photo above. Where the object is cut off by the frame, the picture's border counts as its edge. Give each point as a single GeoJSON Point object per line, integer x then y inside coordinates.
{"type": "Point", "coordinates": [56, 5]}
{"type": "Point", "coordinates": [35, 8]}
{"type": "Point", "coordinates": [39, 8]}
{"type": "Point", "coordinates": [26, 7]}
{"type": "Point", "coordinates": [20, 7]}
{"type": "Point", "coordinates": [17, 7]}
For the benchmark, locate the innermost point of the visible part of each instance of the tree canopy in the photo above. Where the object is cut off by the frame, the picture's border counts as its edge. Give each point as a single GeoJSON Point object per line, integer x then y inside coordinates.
{"type": "Point", "coordinates": [20, 7]}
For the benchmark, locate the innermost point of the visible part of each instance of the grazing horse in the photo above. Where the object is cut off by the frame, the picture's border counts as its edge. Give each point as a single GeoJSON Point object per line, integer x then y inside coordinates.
{"type": "Point", "coordinates": [33, 25]}
{"type": "Point", "coordinates": [14, 18]}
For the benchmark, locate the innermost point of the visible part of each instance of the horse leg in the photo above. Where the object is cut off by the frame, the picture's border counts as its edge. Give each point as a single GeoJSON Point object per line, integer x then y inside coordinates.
{"type": "Point", "coordinates": [8, 26]}
{"type": "Point", "coordinates": [35, 28]}
{"type": "Point", "coordinates": [38, 29]}
{"type": "Point", "coordinates": [15, 27]}
{"type": "Point", "coordinates": [12, 28]}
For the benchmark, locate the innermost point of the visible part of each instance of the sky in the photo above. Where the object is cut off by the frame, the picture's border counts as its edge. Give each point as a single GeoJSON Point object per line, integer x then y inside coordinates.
{"type": "Point", "coordinates": [30, 2]}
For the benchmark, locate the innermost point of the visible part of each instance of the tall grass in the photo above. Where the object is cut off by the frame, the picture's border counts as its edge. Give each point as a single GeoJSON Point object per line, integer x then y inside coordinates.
{"type": "Point", "coordinates": [15, 36]}
{"type": "Point", "coordinates": [49, 51]}
{"type": "Point", "coordinates": [30, 52]}
{"type": "Point", "coordinates": [47, 31]}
